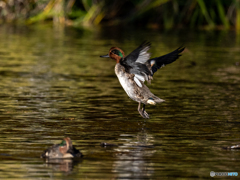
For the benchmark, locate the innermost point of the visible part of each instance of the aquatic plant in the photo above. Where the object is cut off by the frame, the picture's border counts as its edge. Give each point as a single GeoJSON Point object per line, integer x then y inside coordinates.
{"type": "Point", "coordinates": [167, 14]}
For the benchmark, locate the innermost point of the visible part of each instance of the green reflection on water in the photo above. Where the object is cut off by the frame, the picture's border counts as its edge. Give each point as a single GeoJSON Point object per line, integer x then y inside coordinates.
{"type": "Point", "coordinates": [53, 84]}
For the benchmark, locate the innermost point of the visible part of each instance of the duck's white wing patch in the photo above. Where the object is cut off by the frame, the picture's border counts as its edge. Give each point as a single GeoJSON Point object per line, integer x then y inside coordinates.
{"type": "Point", "coordinates": [141, 78]}
{"type": "Point", "coordinates": [143, 55]}
{"type": "Point", "coordinates": [137, 81]}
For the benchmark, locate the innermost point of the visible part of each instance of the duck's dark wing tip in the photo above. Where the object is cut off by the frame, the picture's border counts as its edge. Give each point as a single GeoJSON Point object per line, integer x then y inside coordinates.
{"type": "Point", "coordinates": [161, 61]}
{"type": "Point", "coordinates": [180, 49]}
{"type": "Point", "coordinates": [145, 43]}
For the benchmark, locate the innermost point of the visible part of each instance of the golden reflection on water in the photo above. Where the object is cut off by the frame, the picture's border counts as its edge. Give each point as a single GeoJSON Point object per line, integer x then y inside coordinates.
{"type": "Point", "coordinates": [53, 84]}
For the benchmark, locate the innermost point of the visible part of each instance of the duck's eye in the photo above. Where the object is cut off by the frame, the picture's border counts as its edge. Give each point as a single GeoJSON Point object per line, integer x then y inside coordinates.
{"type": "Point", "coordinates": [63, 143]}
{"type": "Point", "coordinates": [117, 52]}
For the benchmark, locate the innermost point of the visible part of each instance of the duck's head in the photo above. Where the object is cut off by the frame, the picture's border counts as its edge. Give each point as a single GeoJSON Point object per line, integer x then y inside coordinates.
{"type": "Point", "coordinates": [115, 53]}
{"type": "Point", "coordinates": [65, 145]}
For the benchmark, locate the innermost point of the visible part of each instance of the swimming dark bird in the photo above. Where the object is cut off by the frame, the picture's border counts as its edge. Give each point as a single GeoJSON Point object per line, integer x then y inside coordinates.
{"type": "Point", "coordinates": [63, 150]}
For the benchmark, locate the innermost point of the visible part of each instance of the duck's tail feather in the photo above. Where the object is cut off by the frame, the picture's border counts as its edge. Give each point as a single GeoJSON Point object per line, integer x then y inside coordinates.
{"type": "Point", "coordinates": [154, 100]}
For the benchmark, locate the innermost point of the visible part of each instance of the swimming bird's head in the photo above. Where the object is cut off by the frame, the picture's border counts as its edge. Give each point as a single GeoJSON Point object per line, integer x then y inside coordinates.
{"type": "Point", "coordinates": [65, 145]}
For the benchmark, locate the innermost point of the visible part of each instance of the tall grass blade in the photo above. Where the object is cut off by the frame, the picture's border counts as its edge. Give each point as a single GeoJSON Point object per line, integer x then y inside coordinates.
{"type": "Point", "coordinates": [204, 10]}
{"type": "Point", "coordinates": [143, 8]}
{"type": "Point", "coordinates": [222, 14]}
{"type": "Point", "coordinates": [237, 14]}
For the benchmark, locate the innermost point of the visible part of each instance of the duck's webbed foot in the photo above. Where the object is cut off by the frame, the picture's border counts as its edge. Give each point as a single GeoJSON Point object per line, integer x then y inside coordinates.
{"type": "Point", "coordinates": [145, 112]}
{"type": "Point", "coordinates": [142, 111]}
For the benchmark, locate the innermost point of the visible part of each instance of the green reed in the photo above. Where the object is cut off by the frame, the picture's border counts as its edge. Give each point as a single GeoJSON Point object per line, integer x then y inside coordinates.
{"type": "Point", "coordinates": [168, 14]}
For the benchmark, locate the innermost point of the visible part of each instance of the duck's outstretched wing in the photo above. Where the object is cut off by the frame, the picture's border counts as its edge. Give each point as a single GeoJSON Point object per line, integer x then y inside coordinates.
{"type": "Point", "coordinates": [139, 55]}
{"type": "Point", "coordinates": [135, 63]}
{"type": "Point", "coordinates": [159, 62]}
{"type": "Point", "coordinates": [143, 68]}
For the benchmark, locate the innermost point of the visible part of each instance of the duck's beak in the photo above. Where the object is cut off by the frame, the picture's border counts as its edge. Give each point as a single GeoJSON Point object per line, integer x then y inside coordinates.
{"type": "Point", "coordinates": [105, 56]}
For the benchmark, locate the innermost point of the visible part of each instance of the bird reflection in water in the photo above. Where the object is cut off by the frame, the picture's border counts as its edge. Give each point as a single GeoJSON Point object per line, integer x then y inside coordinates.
{"type": "Point", "coordinates": [133, 157]}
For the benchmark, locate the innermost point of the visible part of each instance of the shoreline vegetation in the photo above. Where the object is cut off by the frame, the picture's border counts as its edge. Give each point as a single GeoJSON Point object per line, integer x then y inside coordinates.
{"type": "Point", "coordinates": [155, 14]}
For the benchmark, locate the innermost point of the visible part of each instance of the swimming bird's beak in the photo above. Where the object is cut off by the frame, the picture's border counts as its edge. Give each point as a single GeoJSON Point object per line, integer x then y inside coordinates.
{"type": "Point", "coordinates": [105, 56]}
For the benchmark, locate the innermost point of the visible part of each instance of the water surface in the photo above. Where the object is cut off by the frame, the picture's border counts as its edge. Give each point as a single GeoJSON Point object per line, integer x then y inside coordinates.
{"type": "Point", "coordinates": [53, 84]}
